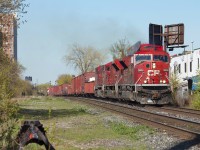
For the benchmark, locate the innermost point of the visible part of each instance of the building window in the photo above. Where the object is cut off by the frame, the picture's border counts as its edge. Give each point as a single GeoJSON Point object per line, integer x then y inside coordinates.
{"type": "Point", "coordinates": [179, 68]}
{"type": "Point", "coordinates": [185, 67]}
{"type": "Point", "coordinates": [191, 66]}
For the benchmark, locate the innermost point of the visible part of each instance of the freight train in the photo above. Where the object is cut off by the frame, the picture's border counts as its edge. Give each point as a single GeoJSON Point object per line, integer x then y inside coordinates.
{"type": "Point", "coordinates": [142, 76]}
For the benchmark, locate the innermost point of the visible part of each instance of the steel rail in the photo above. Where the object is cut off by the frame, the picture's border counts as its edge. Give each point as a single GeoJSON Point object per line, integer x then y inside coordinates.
{"type": "Point", "coordinates": [174, 129]}
{"type": "Point", "coordinates": [177, 110]}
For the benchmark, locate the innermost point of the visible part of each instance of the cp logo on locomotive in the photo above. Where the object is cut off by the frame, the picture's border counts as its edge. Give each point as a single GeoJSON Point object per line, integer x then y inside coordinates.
{"type": "Point", "coordinates": [153, 72]}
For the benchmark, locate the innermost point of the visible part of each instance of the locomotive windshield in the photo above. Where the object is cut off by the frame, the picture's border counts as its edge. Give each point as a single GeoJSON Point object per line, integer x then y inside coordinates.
{"type": "Point", "coordinates": [140, 58]}
{"type": "Point", "coordinates": [163, 58]}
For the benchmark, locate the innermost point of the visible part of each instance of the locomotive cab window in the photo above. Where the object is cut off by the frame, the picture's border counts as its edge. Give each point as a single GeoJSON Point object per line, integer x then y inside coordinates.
{"type": "Point", "coordinates": [141, 58]}
{"type": "Point", "coordinates": [163, 58]}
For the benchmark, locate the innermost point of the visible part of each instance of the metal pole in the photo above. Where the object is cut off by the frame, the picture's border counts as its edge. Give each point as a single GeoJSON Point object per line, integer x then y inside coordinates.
{"type": "Point", "coordinates": [192, 46]}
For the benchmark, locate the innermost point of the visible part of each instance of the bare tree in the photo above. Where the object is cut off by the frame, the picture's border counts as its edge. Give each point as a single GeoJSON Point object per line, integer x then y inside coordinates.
{"type": "Point", "coordinates": [84, 58]}
{"type": "Point", "coordinates": [119, 49]}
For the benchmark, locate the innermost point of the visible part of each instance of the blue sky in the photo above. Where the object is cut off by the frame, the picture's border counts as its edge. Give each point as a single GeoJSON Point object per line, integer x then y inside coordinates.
{"type": "Point", "coordinates": [54, 26]}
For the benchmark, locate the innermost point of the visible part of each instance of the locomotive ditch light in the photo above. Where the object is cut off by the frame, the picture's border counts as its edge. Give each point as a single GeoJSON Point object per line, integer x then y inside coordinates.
{"type": "Point", "coordinates": [164, 81]}
{"type": "Point", "coordinates": [153, 65]}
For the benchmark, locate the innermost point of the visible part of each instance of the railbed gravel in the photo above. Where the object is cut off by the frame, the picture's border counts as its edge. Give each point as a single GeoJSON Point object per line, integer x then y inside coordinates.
{"type": "Point", "coordinates": [160, 140]}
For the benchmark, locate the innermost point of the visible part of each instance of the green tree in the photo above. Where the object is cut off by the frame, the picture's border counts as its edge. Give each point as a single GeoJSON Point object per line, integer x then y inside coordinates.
{"type": "Point", "coordinates": [26, 88]}
{"type": "Point", "coordinates": [13, 6]}
{"type": "Point", "coordinates": [42, 89]}
{"type": "Point", "coordinates": [9, 77]}
{"type": "Point", "coordinates": [120, 48]}
{"type": "Point", "coordinates": [84, 58]}
{"type": "Point", "coordinates": [10, 74]}
{"type": "Point", "coordinates": [64, 78]}
{"type": "Point", "coordinates": [9, 83]}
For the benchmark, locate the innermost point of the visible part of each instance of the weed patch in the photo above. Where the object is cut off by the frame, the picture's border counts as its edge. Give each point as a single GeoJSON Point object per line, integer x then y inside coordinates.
{"type": "Point", "coordinates": [34, 98]}
{"type": "Point", "coordinates": [133, 132]}
{"type": "Point", "coordinates": [195, 102]}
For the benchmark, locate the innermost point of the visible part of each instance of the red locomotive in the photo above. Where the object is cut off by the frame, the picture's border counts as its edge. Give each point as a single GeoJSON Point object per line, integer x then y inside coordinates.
{"type": "Point", "coordinates": [142, 77]}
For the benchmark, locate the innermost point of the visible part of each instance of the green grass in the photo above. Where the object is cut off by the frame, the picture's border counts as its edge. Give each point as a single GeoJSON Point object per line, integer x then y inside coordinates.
{"type": "Point", "coordinates": [132, 132]}
{"type": "Point", "coordinates": [73, 126]}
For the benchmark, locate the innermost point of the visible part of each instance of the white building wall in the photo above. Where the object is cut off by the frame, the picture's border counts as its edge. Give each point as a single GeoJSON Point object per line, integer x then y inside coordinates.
{"type": "Point", "coordinates": [192, 62]}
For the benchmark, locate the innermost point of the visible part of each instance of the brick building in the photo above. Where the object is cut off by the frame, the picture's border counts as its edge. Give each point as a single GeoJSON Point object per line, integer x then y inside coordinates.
{"type": "Point", "coordinates": [8, 35]}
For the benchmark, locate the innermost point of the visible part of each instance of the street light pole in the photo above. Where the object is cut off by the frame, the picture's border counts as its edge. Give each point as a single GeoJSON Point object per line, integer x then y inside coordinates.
{"type": "Point", "coordinates": [192, 46]}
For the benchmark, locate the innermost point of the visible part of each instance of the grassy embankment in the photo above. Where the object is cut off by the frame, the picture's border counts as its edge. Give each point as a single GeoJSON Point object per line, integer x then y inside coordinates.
{"type": "Point", "coordinates": [71, 125]}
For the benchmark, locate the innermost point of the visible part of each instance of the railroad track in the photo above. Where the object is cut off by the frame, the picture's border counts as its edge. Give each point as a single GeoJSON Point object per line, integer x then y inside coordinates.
{"type": "Point", "coordinates": [183, 128]}
{"type": "Point", "coordinates": [177, 111]}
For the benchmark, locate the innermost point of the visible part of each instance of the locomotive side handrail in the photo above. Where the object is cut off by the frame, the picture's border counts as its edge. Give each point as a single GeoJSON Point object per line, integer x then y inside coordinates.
{"type": "Point", "coordinates": [138, 80]}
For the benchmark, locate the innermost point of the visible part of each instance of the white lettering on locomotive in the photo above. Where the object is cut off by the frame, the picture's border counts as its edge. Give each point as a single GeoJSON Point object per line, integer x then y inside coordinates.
{"type": "Point", "coordinates": [153, 72]}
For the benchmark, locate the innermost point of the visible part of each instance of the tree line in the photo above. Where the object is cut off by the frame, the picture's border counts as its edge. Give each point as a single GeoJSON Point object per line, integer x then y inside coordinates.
{"type": "Point", "coordinates": [11, 84]}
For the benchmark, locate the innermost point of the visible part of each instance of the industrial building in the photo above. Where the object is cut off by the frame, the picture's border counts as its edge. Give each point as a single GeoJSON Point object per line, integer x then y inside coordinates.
{"type": "Point", "coordinates": [8, 35]}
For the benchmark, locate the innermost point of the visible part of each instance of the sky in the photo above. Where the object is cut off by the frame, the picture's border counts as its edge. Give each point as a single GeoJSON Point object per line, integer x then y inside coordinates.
{"type": "Point", "coordinates": [53, 26]}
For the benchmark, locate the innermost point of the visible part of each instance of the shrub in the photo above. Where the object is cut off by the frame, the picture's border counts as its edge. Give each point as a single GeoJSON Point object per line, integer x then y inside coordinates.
{"type": "Point", "coordinates": [175, 83]}
{"type": "Point", "coordinates": [9, 77]}
{"type": "Point", "coordinates": [195, 103]}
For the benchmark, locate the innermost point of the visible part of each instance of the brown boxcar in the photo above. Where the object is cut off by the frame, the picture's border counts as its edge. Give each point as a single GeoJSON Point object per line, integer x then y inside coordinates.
{"type": "Point", "coordinates": [89, 88]}
{"type": "Point", "coordinates": [50, 91]}
{"type": "Point", "coordinates": [65, 89]}
{"type": "Point", "coordinates": [78, 83]}
{"type": "Point", "coordinates": [88, 79]}
{"type": "Point", "coordinates": [53, 91]}
{"type": "Point", "coordinates": [69, 89]}
{"type": "Point", "coordinates": [79, 86]}
{"type": "Point", "coordinates": [73, 86]}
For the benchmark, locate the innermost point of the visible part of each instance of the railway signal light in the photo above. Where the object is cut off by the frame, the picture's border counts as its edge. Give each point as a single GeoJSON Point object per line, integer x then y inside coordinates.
{"type": "Point", "coordinates": [173, 35]}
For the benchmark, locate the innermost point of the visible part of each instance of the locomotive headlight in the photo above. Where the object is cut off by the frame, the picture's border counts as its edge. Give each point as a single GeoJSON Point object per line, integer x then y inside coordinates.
{"type": "Point", "coordinates": [145, 81]}
{"type": "Point", "coordinates": [153, 65]}
{"type": "Point", "coordinates": [164, 81]}
{"type": "Point", "coordinates": [161, 81]}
